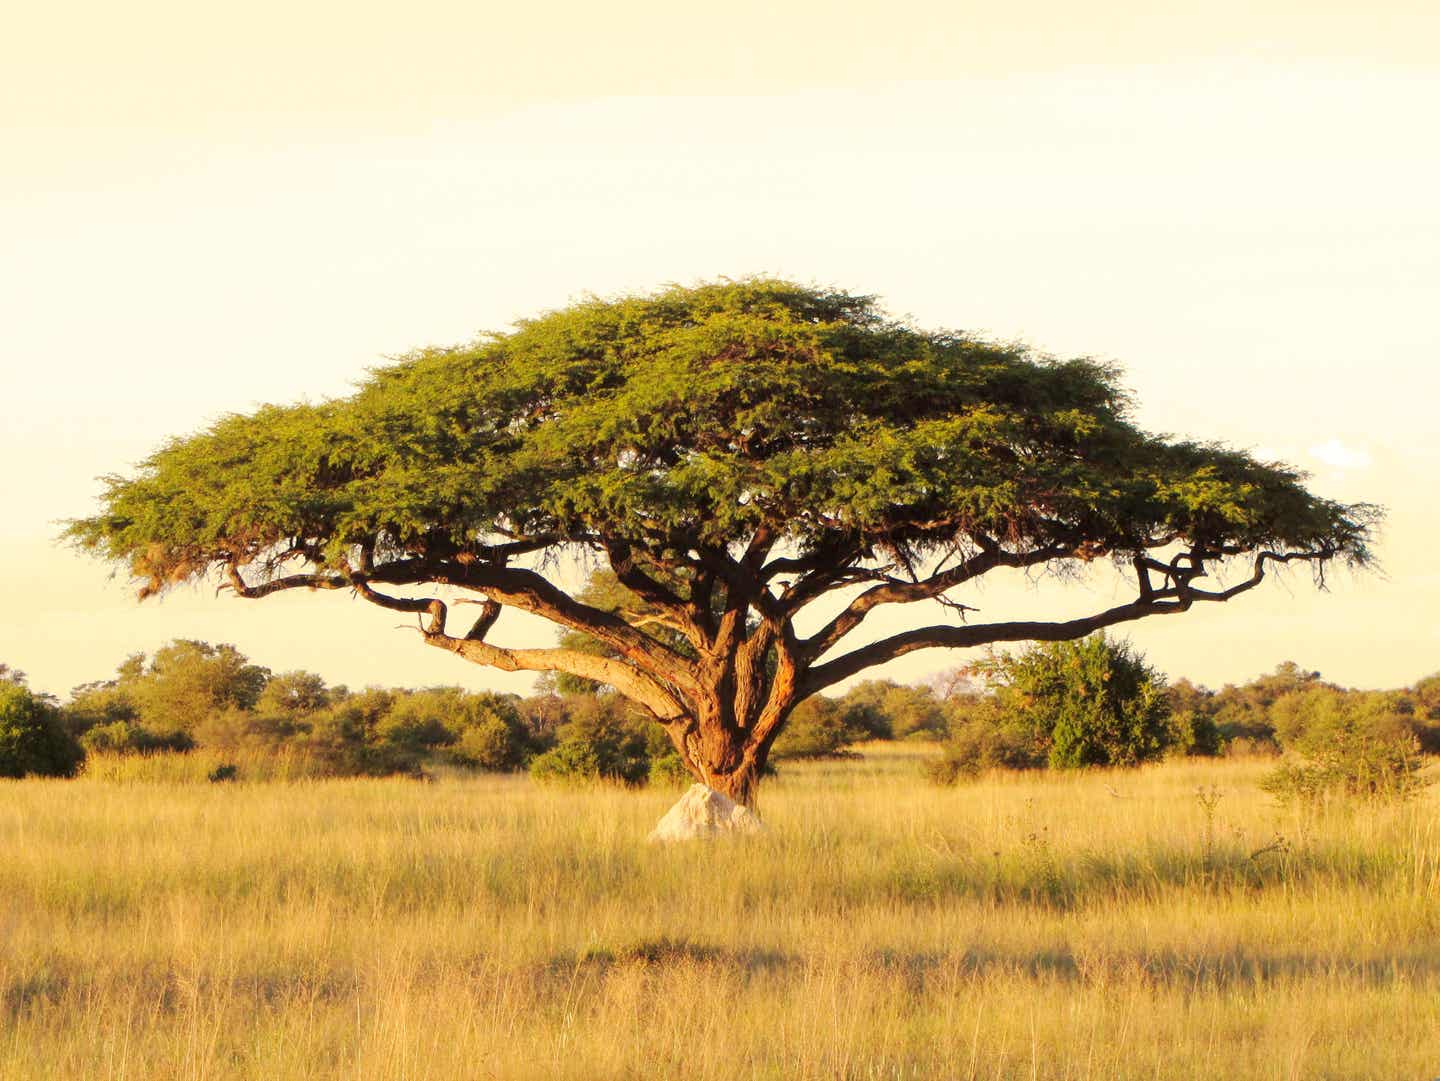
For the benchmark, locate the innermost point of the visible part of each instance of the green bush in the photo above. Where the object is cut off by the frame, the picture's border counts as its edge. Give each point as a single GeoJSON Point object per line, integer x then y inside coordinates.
{"type": "Point", "coordinates": [124, 737]}
{"type": "Point", "coordinates": [1192, 724]}
{"type": "Point", "coordinates": [884, 709]}
{"type": "Point", "coordinates": [982, 739]}
{"type": "Point", "coordinates": [1351, 744]}
{"type": "Point", "coordinates": [602, 741]}
{"type": "Point", "coordinates": [819, 727]}
{"type": "Point", "coordinates": [668, 771]}
{"type": "Point", "coordinates": [32, 739]}
{"type": "Point", "coordinates": [342, 738]}
{"type": "Point", "coordinates": [491, 733]}
{"type": "Point", "coordinates": [1091, 702]}
{"type": "Point", "coordinates": [1193, 733]}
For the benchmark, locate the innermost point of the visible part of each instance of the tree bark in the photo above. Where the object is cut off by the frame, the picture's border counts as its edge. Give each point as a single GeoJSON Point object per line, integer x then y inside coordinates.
{"type": "Point", "coordinates": [741, 784]}
{"type": "Point", "coordinates": [719, 755]}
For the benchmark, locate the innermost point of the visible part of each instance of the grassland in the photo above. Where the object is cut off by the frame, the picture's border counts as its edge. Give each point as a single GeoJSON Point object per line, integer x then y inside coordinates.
{"type": "Point", "coordinates": [1095, 926]}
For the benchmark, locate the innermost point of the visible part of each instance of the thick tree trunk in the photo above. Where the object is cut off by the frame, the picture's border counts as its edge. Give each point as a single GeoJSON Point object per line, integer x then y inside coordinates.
{"type": "Point", "coordinates": [741, 784]}
{"type": "Point", "coordinates": [721, 757]}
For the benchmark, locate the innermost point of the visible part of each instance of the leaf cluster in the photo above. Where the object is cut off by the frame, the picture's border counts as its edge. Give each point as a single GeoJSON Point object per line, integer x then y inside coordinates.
{"type": "Point", "coordinates": [688, 420]}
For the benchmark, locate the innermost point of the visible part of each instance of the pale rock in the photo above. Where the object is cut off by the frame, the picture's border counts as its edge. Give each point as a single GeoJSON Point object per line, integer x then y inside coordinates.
{"type": "Point", "coordinates": [703, 813]}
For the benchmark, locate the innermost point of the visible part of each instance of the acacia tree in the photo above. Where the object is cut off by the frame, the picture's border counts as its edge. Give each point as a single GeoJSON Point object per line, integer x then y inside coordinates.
{"type": "Point", "coordinates": [741, 456]}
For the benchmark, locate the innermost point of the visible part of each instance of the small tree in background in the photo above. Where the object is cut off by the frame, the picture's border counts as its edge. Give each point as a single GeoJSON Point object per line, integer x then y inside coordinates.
{"type": "Point", "coordinates": [295, 694]}
{"type": "Point", "coordinates": [490, 733]}
{"type": "Point", "coordinates": [884, 709]}
{"type": "Point", "coordinates": [1093, 702]}
{"type": "Point", "coordinates": [1193, 730]}
{"type": "Point", "coordinates": [32, 739]}
{"type": "Point", "coordinates": [604, 740]}
{"type": "Point", "coordinates": [983, 736]}
{"type": "Point", "coordinates": [1425, 696]}
{"type": "Point", "coordinates": [821, 727]}
{"type": "Point", "coordinates": [1350, 744]}
{"type": "Point", "coordinates": [1243, 713]}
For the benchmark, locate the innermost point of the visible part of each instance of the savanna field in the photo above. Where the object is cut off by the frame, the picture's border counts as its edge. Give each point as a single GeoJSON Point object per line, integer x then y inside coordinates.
{"type": "Point", "coordinates": [1172, 922]}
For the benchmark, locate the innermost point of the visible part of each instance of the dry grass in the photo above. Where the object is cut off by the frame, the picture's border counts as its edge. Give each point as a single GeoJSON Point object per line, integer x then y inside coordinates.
{"type": "Point", "coordinates": [1096, 926]}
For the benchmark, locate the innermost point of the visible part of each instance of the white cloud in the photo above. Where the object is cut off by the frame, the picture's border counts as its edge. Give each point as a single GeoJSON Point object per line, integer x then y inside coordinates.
{"type": "Point", "coordinates": [1338, 456]}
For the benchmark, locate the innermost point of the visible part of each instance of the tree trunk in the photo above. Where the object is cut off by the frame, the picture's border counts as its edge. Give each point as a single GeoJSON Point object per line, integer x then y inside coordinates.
{"type": "Point", "coordinates": [741, 784]}
{"type": "Point", "coordinates": [719, 757]}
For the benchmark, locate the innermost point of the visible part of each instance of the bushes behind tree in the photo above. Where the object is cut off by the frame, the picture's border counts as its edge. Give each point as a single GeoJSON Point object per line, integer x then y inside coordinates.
{"type": "Point", "coordinates": [604, 739]}
{"type": "Point", "coordinates": [1348, 744]}
{"type": "Point", "coordinates": [1092, 702]}
{"type": "Point", "coordinates": [33, 742]}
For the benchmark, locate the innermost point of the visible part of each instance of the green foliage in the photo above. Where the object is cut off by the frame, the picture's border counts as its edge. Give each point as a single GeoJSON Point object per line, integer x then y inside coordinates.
{"type": "Point", "coordinates": [1426, 694]}
{"type": "Point", "coordinates": [343, 738]}
{"type": "Point", "coordinates": [186, 687]}
{"type": "Point", "coordinates": [125, 737]}
{"type": "Point", "coordinates": [984, 737]}
{"type": "Point", "coordinates": [32, 739]}
{"type": "Point", "coordinates": [490, 733]}
{"type": "Point", "coordinates": [294, 693]}
{"type": "Point", "coordinates": [602, 741]}
{"type": "Point", "coordinates": [884, 709]}
{"type": "Point", "coordinates": [99, 705]}
{"type": "Point", "coordinates": [668, 771]}
{"type": "Point", "coordinates": [234, 706]}
{"type": "Point", "coordinates": [696, 416]}
{"type": "Point", "coordinates": [1424, 700]}
{"type": "Point", "coordinates": [1093, 702]}
{"type": "Point", "coordinates": [1353, 744]}
{"type": "Point", "coordinates": [1243, 713]}
{"type": "Point", "coordinates": [1194, 734]}
{"type": "Point", "coordinates": [819, 727]}
{"type": "Point", "coordinates": [1193, 730]}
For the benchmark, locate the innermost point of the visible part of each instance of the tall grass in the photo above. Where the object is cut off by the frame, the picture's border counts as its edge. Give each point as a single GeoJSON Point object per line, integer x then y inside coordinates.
{"type": "Point", "coordinates": [1083, 926]}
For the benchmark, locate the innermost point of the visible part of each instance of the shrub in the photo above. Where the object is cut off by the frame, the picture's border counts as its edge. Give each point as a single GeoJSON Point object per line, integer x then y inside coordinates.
{"type": "Point", "coordinates": [32, 739]}
{"type": "Point", "coordinates": [1091, 702]}
{"type": "Point", "coordinates": [94, 704]}
{"type": "Point", "coordinates": [125, 737]}
{"type": "Point", "coordinates": [1193, 733]}
{"type": "Point", "coordinates": [602, 741]}
{"type": "Point", "coordinates": [884, 709]}
{"type": "Point", "coordinates": [668, 771]}
{"type": "Point", "coordinates": [492, 734]}
{"type": "Point", "coordinates": [983, 738]}
{"type": "Point", "coordinates": [819, 727]}
{"type": "Point", "coordinates": [342, 739]}
{"type": "Point", "coordinates": [1349, 745]}
{"type": "Point", "coordinates": [600, 759]}
{"type": "Point", "coordinates": [1192, 725]}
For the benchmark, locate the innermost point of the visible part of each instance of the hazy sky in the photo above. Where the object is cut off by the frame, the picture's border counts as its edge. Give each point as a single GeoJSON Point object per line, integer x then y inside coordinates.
{"type": "Point", "coordinates": [204, 209]}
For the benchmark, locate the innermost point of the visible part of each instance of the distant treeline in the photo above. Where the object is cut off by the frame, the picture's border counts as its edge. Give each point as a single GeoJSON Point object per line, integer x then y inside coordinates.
{"type": "Point", "coordinates": [193, 694]}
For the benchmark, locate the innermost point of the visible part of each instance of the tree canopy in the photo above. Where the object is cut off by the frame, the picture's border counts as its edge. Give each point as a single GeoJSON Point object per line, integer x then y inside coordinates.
{"type": "Point", "coordinates": [733, 453]}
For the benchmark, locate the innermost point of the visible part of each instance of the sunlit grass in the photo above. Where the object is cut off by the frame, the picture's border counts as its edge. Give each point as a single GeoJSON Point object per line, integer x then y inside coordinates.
{"type": "Point", "coordinates": [1082, 926]}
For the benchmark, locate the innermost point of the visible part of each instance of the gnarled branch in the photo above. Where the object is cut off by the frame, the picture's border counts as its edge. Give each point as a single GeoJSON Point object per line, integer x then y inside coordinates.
{"type": "Point", "coordinates": [1178, 597]}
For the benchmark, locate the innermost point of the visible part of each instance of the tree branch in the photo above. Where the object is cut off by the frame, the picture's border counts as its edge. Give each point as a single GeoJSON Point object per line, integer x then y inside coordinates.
{"type": "Point", "coordinates": [275, 585]}
{"type": "Point", "coordinates": [625, 678]}
{"type": "Point", "coordinates": [680, 614]}
{"type": "Point", "coordinates": [895, 591]}
{"type": "Point", "coordinates": [1176, 598]}
{"type": "Point", "coordinates": [513, 586]}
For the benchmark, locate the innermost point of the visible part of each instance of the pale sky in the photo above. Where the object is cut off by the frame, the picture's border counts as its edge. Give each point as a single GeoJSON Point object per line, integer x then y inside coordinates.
{"type": "Point", "coordinates": [203, 209]}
